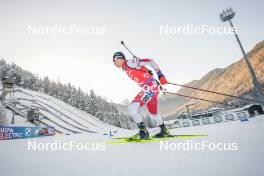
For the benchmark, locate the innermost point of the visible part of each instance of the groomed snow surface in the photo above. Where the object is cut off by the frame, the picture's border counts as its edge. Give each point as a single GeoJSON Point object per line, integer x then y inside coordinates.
{"type": "Point", "coordinates": [65, 118]}
{"type": "Point", "coordinates": [136, 159]}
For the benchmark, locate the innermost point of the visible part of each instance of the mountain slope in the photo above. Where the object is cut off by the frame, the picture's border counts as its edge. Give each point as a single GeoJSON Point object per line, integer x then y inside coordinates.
{"type": "Point", "coordinates": [234, 79]}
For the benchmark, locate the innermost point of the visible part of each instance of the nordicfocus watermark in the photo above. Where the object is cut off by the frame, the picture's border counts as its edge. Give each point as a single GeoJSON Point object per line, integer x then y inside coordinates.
{"type": "Point", "coordinates": [58, 145]}
{"type": "Point", "coordinates": [190, 29]}
{"type": "Point", "coordinates": [60, 30]}
{"type": "Point", "coordinates": [189, 145]}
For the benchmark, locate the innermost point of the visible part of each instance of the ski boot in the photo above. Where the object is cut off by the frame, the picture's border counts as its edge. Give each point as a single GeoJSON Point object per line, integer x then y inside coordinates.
{"type": "Point", "coordinates": [143, 132]}
{"type": "Point", "coordinates": [164, 132]}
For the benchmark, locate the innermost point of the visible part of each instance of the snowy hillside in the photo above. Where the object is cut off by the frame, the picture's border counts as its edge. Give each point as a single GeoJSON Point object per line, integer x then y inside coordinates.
{"type": "Point", "coordinates": [132, 159]}
{"type": "Point", "coordinates": [53, 112]}
{"type": "Point", "coordinates": [234, 80]}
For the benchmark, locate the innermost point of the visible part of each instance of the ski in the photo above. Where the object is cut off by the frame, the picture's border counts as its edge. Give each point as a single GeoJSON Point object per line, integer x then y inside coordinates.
{"type": "Point", "coordinates": [120, 140]}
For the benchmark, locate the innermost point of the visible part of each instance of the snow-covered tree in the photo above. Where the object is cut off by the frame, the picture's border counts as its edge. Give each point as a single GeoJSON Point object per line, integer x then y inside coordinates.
{"type": "Point", "coordinates": [90, 103]}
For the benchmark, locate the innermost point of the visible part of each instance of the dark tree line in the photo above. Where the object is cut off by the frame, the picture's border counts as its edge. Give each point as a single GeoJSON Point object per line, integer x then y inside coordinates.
{"type": "Point", "coordinates": [90, 103]}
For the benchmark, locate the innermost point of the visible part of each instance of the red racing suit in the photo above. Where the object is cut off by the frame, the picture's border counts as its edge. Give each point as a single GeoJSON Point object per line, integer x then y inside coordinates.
{"type": "Point", "coordinates": [137, 71]}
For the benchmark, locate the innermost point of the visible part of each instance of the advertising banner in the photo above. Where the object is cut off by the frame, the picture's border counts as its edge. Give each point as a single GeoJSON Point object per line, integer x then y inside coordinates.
{"type": "Point", "coordinates": [14, 132]}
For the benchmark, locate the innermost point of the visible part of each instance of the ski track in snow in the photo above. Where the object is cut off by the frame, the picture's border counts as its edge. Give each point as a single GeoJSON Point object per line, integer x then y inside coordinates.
{"type": "Point", "coordinates": [134, 159]}
{"type": "Point", "coordinates": [62, 116]}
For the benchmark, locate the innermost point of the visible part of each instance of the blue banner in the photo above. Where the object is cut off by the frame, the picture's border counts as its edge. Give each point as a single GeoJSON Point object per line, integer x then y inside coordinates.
{"type": "Point", "coordinates": [14, 132]}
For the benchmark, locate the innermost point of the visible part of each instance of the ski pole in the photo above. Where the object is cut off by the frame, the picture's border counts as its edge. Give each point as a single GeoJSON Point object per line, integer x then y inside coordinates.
{"type": "Point", "coordinates": [219, 93]}
{"type": "Point", "coordinates": [201, 99]}
{"type": "Point", "coordinates": [123, 43]}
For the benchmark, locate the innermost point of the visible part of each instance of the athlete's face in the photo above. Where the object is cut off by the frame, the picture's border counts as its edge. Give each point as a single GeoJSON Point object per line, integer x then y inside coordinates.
{"type": "Point", "coordinates": [119, 62]}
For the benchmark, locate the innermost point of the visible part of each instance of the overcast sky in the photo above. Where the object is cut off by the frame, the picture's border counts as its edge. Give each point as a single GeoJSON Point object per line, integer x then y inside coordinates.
{"type": "Point", "coordinates": [85, 59]}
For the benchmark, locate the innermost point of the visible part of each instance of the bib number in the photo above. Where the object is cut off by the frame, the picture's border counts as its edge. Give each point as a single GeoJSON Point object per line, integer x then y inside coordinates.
{"type": "Point", "coordinates": [147, 96]}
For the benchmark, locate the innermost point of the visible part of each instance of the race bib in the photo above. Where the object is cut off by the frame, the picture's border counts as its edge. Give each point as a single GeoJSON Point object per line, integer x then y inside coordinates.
{"type": "Point", "coordinates": [147, 96]}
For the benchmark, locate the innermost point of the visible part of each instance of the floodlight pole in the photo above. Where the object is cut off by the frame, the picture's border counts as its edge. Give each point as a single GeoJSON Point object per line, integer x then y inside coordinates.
{"type": "Point", "coordinates": [227, 15]}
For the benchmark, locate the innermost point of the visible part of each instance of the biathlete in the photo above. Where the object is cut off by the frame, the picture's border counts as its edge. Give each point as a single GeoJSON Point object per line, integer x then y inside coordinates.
{"type": "Point", "coordinates": [136, 70]}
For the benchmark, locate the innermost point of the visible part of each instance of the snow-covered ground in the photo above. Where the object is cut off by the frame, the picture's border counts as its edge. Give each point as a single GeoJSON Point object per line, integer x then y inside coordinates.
{"type": "Point", "coordinates": [135, 159]}
{"type": "Point", "coordinates": [65, 118]}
